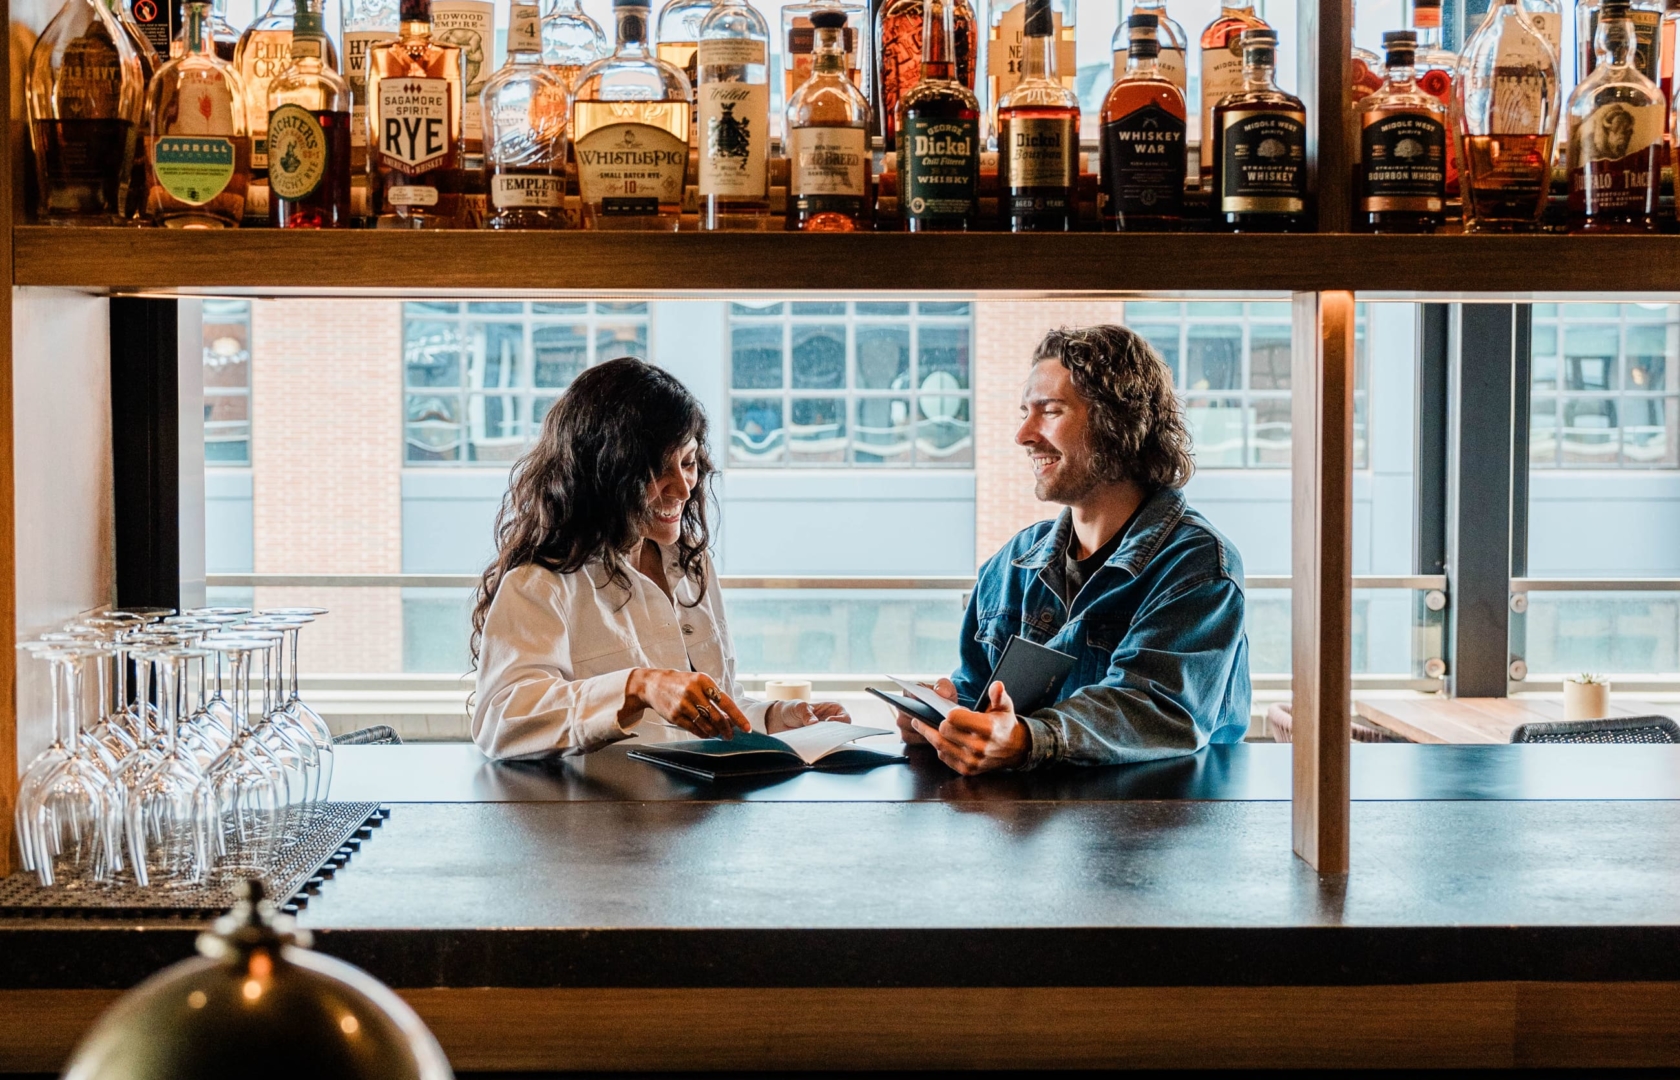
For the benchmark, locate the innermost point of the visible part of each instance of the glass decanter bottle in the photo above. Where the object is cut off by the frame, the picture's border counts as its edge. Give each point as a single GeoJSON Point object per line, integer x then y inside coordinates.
{"type": "Point", "coordinates": [1507, 109]}
{"type": "Point", "coordinates": [416, 149]}
{"type": "Point", "coordinates": [1615, 135]}
{"type": "Point", "coordinates": [264, 51]}
{"type": "Point", "coordinates": [309, 127]}
{"type": "Point", "coordinates": [1222, 69]}
{"type": "Point", "coordinates": [1172, 63]}
{"type": "Point", "coordinates": [524, 109]}
{"type": "Point", "coordinates": [197, 143]}
{"type": "Point", "coordinates": [733, 128]}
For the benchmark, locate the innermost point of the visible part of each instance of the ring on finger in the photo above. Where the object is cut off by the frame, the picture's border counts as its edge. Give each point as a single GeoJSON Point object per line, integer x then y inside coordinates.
{"type": "Point", "coordinates": [713, 694]}
{"type": "Point", "coordinates": [703, 714]}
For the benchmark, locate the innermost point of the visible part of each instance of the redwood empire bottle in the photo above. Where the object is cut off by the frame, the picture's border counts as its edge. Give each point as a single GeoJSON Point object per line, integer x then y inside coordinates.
{"type": "Point", "coordinates": [938, 136]}
{"type": "Point", "coordinates": [1402, 147]}
{"type": "Point", "coordinates": [1615, 135]}
{"type": "Point", "coordinates": [1143, 160]}
{"type": "Point", "coordinates": [1038, 136]}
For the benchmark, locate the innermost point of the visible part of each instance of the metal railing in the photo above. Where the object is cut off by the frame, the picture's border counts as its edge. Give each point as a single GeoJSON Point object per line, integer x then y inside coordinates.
{"type": "Point", "coordinates": [1528, 585]}
{"type": "Point", "coordinates": [1423, 582]}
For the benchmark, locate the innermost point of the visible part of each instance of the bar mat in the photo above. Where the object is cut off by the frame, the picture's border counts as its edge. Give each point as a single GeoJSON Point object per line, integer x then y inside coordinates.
{"type": "Point", "coordinates": [336, 831]}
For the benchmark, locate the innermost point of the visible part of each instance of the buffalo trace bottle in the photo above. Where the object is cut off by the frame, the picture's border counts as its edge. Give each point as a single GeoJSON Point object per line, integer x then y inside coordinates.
{"type": "Point", "coordinates": [1169, 35]}
{"type": "Point", "coordinates": [938, 136]}
{"type": "Point", "coordinates": [1615, 135]}
{"type": "Point", "coordinates": [898, 67]}
{"type": "Point", "coordinates": [1038, 136]}
{"type": "Point", "coordinates": [1402, 148]}
{"type": "Point", "coordinates": [524, 109]}
{"type": "Point", "coordinates": [196, 144]}
{"type": "Point", "coordinates": [733, 58]}
{"type": "Point", "coordinates": [828, 138]}
{"type": "Point", "coordinates": [309, 134]}
{"type": "Point", "coordinates": [1222, 68]}
{"type": "Point", "coordinates": [1507, 108]}
{"type": "Point", "coordinates": [1141, 148]}
{"type": "Point", "coordinates": [1260, 148]}
{"type": "Point", "coordinates": [415, 151]}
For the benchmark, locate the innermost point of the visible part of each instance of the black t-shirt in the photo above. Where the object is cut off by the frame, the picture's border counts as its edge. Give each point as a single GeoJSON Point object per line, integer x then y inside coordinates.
{"type": "Point", "coordinates": [1078, 571]}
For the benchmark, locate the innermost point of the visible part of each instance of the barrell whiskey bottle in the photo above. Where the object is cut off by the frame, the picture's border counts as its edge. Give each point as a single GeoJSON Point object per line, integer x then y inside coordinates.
{"type": "Point", "coordinates": [264, 51]}
{"type": "Point", "coordinates": [1038, 136]}
{"type": "Point", "coordinates": [1142, 148]}
{"type": "Point", "coordinates": [828, 138]}
{"type": "Point", "coordinates": [571, 41]}
{"type": "Point", "coordinates": [415, 151]}
{"type": "Point", "coordinates": [363, 24]}
{"type": "Point", "coordinates": [1402, 148]}
{"type": "Point", "coordinates": [1436, 69]}
{"type": "Point", "coordinates": [734, 124]}
{"type": "Point", "coordinates": [1005, 60]}
{"type": "Point", "coordinates": [1646, 16]}
{"type": "Point", "coordinates": [309, 133]}
{"type": "Point", "coordinates": [939, 136]}
{"type": "Point", "coordinates": [630, 125]}
{"type": "Point", "coordinates": [898, 32]}
{"type": "Point", "coordinates": [1172, 63]}
{"type": "Point", "coordinates": [1507, 110]}
{"type": "Point", "coordinates": [1222, 70]}
{"type": "Point", "coordinates": [196, 142]}
{"type": "Point", "coordinates": [1260, 148]}
{"type": "Point", "coordinates": [525, 132]}
{"type": "Point", "coordinates": [86, 98]}
{"type": "Point", "coordinates": [1615, 135]}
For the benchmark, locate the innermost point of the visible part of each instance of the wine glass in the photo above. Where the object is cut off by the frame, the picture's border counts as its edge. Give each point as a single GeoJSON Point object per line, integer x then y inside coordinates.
{"type": "Point", "coordinates": [300, 718]}
{"type": "Point", "coordinates": [247, 785]}
{"type": "Point", "coordinates": [71, 814]}
{"type": "Point", "coordinates": [170, 808]}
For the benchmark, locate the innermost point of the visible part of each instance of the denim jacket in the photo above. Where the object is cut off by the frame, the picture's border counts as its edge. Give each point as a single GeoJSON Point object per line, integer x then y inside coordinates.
{"type": "Point", "coordinates": [1157, 632]}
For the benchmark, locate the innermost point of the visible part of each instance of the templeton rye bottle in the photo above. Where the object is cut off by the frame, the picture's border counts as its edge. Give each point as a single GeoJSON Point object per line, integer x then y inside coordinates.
{"type": "Point", "coordinates": [1141, 144]}
{"type": "Point", "coordinates": [1260, 148]}
{"type": "Point", "coordinates": [1507, 109]}
{"type": "Point", "coordinates": [938, 136]}
{"type": "Point", "coordinates": [196, 143]}
{"type": "Point", "coordinates": [734, 125]}
{"type": "Point", "coordinates": [525, 132]}
{"type": "Point", "coordinates": [898, 32]}
{"type": "Point", "coordinates": [309, 133]}
{"type": "Point", "coordinates": [1038, 136]}
{"type": "Point", "coordinates": [1402, 147]}
{"type": "Point", "coordinates": [1222, 69]}
{"type": "Point", "coordinates": [1615, 135]}
{"type": "Point", "coordinates": [415, 151]}
{"type": "Point", "coordinates": [1172, 62]}
{"type": "Point", "coordinates": [828, 138]}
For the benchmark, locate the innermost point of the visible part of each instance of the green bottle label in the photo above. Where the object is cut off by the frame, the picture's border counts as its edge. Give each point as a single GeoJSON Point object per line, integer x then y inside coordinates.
{"type": "Point", "coordinates": [193, 168]}
{"type": "Point", "coordinates": [297, 152]}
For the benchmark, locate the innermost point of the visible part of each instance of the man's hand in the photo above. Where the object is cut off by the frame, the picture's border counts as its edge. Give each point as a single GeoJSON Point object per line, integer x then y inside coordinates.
{"type": "Point", "coordinates": [975, 742]}
{"type": "Point", "coordinates": [783, 715]}
{"type": "Point", "coordinates": [946, 689]}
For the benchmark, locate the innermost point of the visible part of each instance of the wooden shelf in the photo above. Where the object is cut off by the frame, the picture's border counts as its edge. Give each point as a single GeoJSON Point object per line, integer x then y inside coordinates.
{"type": "Point", "coordinates": [367, 262]}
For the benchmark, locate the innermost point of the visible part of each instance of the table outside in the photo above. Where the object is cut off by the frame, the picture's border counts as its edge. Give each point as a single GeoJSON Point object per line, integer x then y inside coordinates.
{"type": "Point", "coordinates": [1480, 720]}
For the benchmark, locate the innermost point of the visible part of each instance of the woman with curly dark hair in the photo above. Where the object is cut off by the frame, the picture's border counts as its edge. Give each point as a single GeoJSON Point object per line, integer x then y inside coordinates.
{"type": "Point", "coordinates": [600, 616]}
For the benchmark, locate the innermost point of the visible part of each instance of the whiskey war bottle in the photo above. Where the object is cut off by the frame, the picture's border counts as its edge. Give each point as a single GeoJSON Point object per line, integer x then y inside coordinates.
{"type": "Point", "coordinates": [939, 136]}
{"type": "Point", "coordinates": [1260, 150]}
{"type": "Point", "coordinates": [1142, 149]}
{"type": "Point", "coordinates": [1402, 147]}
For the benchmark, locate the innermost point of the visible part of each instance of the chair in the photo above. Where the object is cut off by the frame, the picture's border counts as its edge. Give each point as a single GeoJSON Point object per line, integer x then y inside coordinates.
{"type": "Point", "coordinates": [378, 735]}
{"type": "Point", "coordinates": [1612, 729]}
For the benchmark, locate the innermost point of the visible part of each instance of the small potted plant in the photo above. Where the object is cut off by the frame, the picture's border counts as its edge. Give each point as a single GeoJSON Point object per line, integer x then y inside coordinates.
{"type": "Point", "coordinates": [1586, 697]}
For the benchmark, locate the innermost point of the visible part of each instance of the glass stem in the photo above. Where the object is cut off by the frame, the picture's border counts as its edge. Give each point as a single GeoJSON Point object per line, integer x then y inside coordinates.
{"type": "Point", "coordinates": [72, 704]}
{"type": "Point", "coordinates": [241, 698]}
{"type": "Point", "coordinates": [295, 635]}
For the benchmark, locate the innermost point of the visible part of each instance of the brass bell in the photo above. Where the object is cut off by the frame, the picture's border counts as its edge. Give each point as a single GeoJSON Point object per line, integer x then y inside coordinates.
{"type": "Point", "coordinates": [259, 1003]}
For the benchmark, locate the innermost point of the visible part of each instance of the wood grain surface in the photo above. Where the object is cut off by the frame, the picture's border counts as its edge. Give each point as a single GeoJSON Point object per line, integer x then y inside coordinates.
{"type": "Point", "coordinates": [1479, 720]}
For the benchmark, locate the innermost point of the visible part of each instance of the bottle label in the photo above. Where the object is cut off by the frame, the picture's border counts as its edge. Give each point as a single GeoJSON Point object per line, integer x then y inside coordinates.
{"type": "Point", "coordinates": [264, 54]}
{"type": "Point", "coordinates": [306, 47]}
{"type": "Point", "coordinates": [829, 161]}
{"type": "Point", "coordinates": [734, 138]}
{"type": "Point", "coordinates": [1170, 63]}
{"type": "Point", "coordinates": [297, 152]}
{"type": "Point", "coordinates": [1404, 156]}
{"type": "Point", "coordinates": [1221, 77]}
{"type": "Point", "coordinates": [1006, 43]}
{"type": "Point", "coordinates": [729, 52]}
{"type": "Point", "coordinates": [1040, 153]}
{"type": "Point", "coordinates": [514, 191]}
{"type": "Point", "coordinates": [1142, 163]}
{"type": "Point", "coordinates": [469, 25]}
{"type": "Point", "coordinates": [356, 45]}
{"type": "Point", "coordinates": [1615, 162]}
{"type": "Point", "coordinates": [939, 168]}
{"type": "Point", "coordinates": [1517, 82]}
{"type": "Point", "coordinates": [1645, 52]}
{"type": "Point", "coordinates": [524, 29]}
{"type": "Point", "coordinates": [193, 169]}
{"type": "Point", "coordinates": [631, 169]}
{"type": "Point", "coordinates": [411, 195]}
{"type": "Point", "coordinates": [1550, 25]}
{"type": "Point", "coordinates": [413, 124]}
{"type": "Point", "coordinates": [156, 20]}
{"type": "Point", "coordinates": [1265, 162]}
{"type": "Point", "coordinates": [88, 84]}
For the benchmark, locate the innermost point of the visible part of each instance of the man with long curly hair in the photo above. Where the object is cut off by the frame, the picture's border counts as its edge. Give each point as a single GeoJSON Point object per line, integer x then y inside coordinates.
{"type": "Point", "coordinates": [1137, 586]}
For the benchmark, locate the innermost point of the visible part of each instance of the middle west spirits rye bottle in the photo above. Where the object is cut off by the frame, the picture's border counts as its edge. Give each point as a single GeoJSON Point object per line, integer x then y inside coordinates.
{"type": "Point", "coordinates": [1260, 148]}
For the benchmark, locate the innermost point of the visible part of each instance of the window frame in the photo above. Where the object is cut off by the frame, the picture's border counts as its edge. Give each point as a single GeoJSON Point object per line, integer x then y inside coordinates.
{"type": "Point", "coordinates": [1554, 400]}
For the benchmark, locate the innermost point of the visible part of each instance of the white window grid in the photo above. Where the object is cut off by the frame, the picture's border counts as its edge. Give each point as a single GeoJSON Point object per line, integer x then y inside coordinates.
{"type": "Point", "coordinates": [1605, 382]}
{"type": "Point", "coordinates": [227, 383]}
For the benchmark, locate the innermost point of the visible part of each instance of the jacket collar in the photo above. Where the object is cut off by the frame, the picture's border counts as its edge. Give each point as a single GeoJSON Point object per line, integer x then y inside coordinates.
{"type": "Point", "coordinates": [1156, 519]}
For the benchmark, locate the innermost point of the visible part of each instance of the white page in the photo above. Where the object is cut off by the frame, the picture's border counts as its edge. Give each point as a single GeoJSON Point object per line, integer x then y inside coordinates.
{"type": "Point", "coordinates": [926, 695]}
{"type": "Point", "coordinates": [813, 741]}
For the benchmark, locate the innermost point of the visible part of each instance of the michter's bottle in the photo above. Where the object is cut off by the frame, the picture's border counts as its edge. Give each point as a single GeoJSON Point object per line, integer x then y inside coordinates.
{"type": "Point", "coordinates": [1222, 69]}
{"type": "Point", "coordinates": [525, 132]}
{"type": "Point", "coordinates": [734, 118]}
{"type": "Point", "coordinates": [362, 25]}
{"type": "Point", "coordinates": [898, 30]}
{"type": "Point", "coordinates": [828, 138]}
{"type": "Point", "coordinates": [1260, 148]}
{"type": "Point", "coordinates": [309, 133]}
{"type": "Point", "coordinates": [86, 99]}
{"type": "Point", "coordinates": [415, 151]}
{"type": "Point", "coordinates": [264, 51]}
{"type": "Point", "coordinates": [1402, 147]}
{"type": "Point", "coordinates": [1142, 149]}
{"type": "Point", "coordinates": [1615, 135]}
{"type": "Point", "coordinates": [938, 136]}
{"type": "Point", "coordinates": [1507, 106]}
{"type": "Point", "coordinates": [196, 144]}
{"type": "Point", "coordinates": [1038, 136]}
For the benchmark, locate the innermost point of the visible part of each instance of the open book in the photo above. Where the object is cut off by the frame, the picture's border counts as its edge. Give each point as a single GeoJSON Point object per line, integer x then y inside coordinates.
{"type": "Point", "coordinates": [823, 745]}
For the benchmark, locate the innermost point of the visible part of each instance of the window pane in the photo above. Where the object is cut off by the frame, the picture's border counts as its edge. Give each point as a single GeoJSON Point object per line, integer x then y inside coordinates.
{"type": "Point", "coordinates": [881, 307]}
{"type": "Point", "coordinates": [1268, 358]}
{"type": "Point", "coordinates": [1216, 429]}
{"type": "Point", "coordinates": [944, 434]}
{"type": "Point", "coordinates": [881, 431]}
{"type": "Point", "coordinates": [1589, 431]}
{"type": "Point", "coordinates": [755, 309]}
{"type": "Point", "coordinates": [819, 307]}
{"type": "Point", "coordinates": [500, 348]}
{"type": "Point", "coordinates": [1270, 446]}
{"type": "Point", "coordinates": [621, 307]}
{"type": "Point", "coordinates": [1647, 362]}
{"type": "Point", "coordinates": [756, 357]}
{"type": "Point", "coordinates": [612, 342]}
{"type": "Point", "coordinates": [1543, 372]}
{"type": "Point", "coordinates": [567, 307]}
{"type": "Point", "coordinates": [1543, 431]}
{"type": "Point", "coordinates": [1589, 358]}
{"type": "Point", "coordinates": [755, 431]}
{"type": "Point", "coordinates": [817, 430]}
{"type": "Point", "coordinates": [228, 375]}
{"type": "Point", "coordinates": [539, 413]}
{"type": "Point", "coordinates": [819, 358]}
{"type": "Point", "coordinates": [496, 308]}
{"type": "Point", "coordinates": [1214, 360]}
{"type": "Point", "coordinates": [432, 353]}
{"type": "Point", "coordinates": [1144, 309]}
{"type": "Point", "coordinates": [561, 354]}
{"type": "Point", "coordinates": [1648, 432]}
{"type": "Point", "coordinates": [944, 356]}
{"type": "Point", "coordinates": [942, 307]}
{"type": "Point", "coordinates": [1163, 338]}
{"type": "Point", "coordinates": [433, 431]}
{"type": "Point", "coordinates": [227, 429]}
{"type": "Point", "coordinates": [497, 429]}
{"type": "Point", "coordinates": [422, 308]}
{"type": "Point", "coordinates": [883, 358]}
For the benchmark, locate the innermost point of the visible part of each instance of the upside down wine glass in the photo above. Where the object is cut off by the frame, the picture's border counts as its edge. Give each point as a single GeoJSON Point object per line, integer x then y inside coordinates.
{"type": "Point", "coordinates": [71, 814]}
{"type": "Point", "coordinates": [170, 809]}
{"type": "Point", "coordinates": [247, 785]}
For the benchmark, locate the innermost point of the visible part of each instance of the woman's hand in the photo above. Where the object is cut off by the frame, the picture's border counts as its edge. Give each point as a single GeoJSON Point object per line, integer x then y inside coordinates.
{"type": "Point", "coordinates": [946, 689]}
{"type": "Point", "coordinates": [783, 715]}
{"type": "Point", "coordinates": [688, 699]}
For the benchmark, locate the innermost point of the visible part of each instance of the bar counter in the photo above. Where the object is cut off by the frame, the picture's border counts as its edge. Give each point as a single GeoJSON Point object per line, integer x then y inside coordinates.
{"type": "Point", "coordinates": [1519, 904]}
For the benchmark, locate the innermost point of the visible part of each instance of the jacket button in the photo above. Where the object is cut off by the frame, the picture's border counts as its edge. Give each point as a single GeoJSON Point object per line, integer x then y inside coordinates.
{"type": "Point", "coordinates": [687, 629]}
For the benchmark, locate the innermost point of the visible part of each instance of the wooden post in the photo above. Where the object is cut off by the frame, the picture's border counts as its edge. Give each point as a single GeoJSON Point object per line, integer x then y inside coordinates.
{"type": "Point", "coordinates": [1324, 74]}
{"type": "Point", "coordinates": [1322, 545]}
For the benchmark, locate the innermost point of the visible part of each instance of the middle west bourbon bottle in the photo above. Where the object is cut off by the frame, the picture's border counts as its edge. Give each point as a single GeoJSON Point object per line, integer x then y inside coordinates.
{"type": "Point", "coordinates": [196, 142]}
{"type": "Point", "coordinates": [415, 149]}
{"type": "Point", "coordinates": [1142, 148]}
{"type": "Point", "coordinates": [1402, 147]}
{"type": "Point", "coordinates": [1507, 106]}
{"type": "Point", "coordinates": [733, 130]}
{"type": "Point", "coordinates": [938, 130]}
{"type": "Point", "coordinates": [1222, 69]}
{"type": "Point", "coordinates": [1038, 136]}
{"type": "Point", "coordinates": [1260, 147]}
{"type": "Point", "coordinates": [309, 133]}
{"type": "Point", "coordinates": [828, 138]}
{"type": "Point", "coordinates": [524, 110]}
{"type": "Point", "coordinates": [1615, 135]}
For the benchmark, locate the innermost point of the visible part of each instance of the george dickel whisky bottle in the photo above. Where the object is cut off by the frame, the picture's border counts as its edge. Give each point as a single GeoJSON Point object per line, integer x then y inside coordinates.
{"type": "Point", "coordinates": [197, 144]}
{"type": "Point", "coordinates": [524, 109]}
{"type": "Point", "coordinates": [309, 129]}
{"type": "Point", "coordinates": [1038, 136]}
{"type": "Point", "coordinates": [1507, 106]}
{"type": "Point", "coordinates": [1402, 147]}
{"type": "Point", "coordinates": [1615, 135]}
{"type": "Point", "coordinates": [828, 138]}
{"type": "Point", "coordinates": [898, 65]}
{"type": "Point", "coordinates": [1142, 148]}
{"type": "Point", "coordinates": [1260, 148]}
{"type": "Point", "coordinates": [938, 136]}
{"type": "Point", "coordinates": [415, 150]}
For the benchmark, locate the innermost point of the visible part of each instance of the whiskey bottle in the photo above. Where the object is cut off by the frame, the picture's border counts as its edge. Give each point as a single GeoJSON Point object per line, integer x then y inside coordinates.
{"type": "Point", "coordinates": [1365, 73]}
{"type": "Point", "coordinates": [151, 58]}
{"type": "Point", "coordinates": [1005, 59]}
{"type": "Point", "coordinates": [571, 41]}
{"type": "Point", "coordinates": [1615, 135]}
{"type": "Point", "coordinates": [799, 41]}
{"type": "Point", "coordinates": [734, 125]}
{"type": "Point", "coordinates": [1668, 40]}
{"type": "Point", "coordinates": [1260, 147]}
{"type": "Point", "coordinates": [1646, 16]}
{"type": "Point", "coordinates": [362, 25]}
{"type": "Point", "coordinates": [1402, 147]}
{"type": "Point", "coordinates": [197, 144]}
{"type": "Point", "coordinates": [1435, 70]}
{"type": "Point", "coordinates": [1038, 136]}
{"type": "Point", "coordinates": [264, 51]}
{"type": "Point", "coordinates": [222, 32]}
{"type": "Point", "coordinates": [828, 137]}
{"type": "Point", "coordinates": [469, 25]}
{"type": "Point", "coordinates": [1222, 70]}
{"type": "Point", "coordinates": [1142, 148]}
{"type": "Point", "coordinates": [1507, 108]}
{"type": "Point", "coordinates": [630, 125]}
{"type": "Point", "coordinates": [1547, 17]}
{"type": "Point", "coordinates": [1171, 64]}
{"type": "Point", "coordinates": [938, 130]}
{"type": "Point", "coordinates": [898, 33]}
{"type": "Point", "coordinates": [678, 36]}
{"type": "Point", "coordinates": [525, 132]}
{"type": "Point", "coordinates": [415, 151]}
{"type": "Point", "coordinates": [309, 133]}
{"type": "Point", "coordinates": [85, 99]}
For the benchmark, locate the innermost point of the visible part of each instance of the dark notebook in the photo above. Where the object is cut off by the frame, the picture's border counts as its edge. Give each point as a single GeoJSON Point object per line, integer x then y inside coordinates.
{"type": "Point", "coordinates": [1030, 672]}
{"type": "Point", "coordinates": [824, 745]}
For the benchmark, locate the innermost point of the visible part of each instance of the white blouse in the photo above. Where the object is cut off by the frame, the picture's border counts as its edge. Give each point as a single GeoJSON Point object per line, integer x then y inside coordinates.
{"type": "Point", "coordinates": [558, 649]}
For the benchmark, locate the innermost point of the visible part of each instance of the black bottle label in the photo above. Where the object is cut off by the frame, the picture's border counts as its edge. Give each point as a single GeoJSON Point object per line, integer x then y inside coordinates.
{"type": "Point", "coordinates": [1404, 156]}
{"type": "Point", "coordinates": [1142, 163]}
{"type": "Point", "coordinates": [1264, 166]}
{"type": "Point", "coordinates": [158, 20]}
{"type": "Point", "coordinates": [939, 168]}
